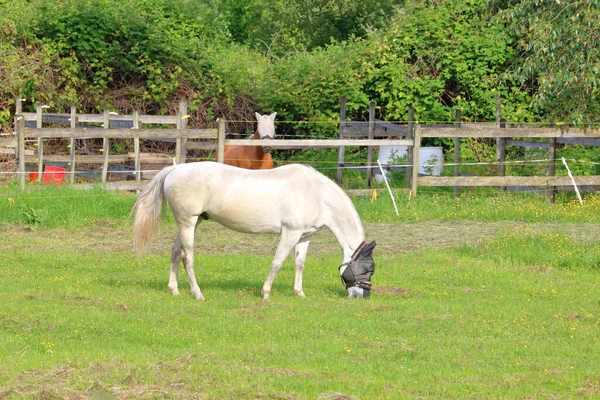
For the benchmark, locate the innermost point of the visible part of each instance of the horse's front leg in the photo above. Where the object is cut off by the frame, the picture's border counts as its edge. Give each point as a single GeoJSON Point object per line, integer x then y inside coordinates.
{"type": "Point", "coordinates": [286, 243]}
{"type": "Point", "coordinates": [186, 239]}
{"type": "Point", "coordinates": [301, 250]}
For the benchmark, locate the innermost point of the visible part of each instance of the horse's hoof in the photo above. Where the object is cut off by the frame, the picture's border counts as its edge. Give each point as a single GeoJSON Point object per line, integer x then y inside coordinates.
{"type": "Point", "coordinates": [265, 294]}
{"type": "Point", "coordinates": [300, 293]}
{"type": "Point", "coordinates": [175, 292]}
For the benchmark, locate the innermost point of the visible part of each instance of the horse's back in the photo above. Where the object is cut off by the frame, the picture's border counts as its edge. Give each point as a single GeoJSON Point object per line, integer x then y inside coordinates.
{"type": "Point", "coordinates": [249, 200]}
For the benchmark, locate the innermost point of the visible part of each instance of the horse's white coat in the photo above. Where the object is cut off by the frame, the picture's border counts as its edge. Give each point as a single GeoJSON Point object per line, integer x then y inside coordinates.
{"type": "Point", "coordinates": [294, 200]}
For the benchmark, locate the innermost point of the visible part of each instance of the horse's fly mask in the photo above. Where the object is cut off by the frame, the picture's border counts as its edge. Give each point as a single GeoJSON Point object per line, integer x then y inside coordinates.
{"type": "Point", "coordinates": [360, 268]}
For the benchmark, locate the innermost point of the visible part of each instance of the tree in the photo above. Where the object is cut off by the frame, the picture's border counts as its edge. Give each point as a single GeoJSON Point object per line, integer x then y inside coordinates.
{"type": "Point", "coordinates": [439, 57]}
{"type": "Point", "coordinates": [287, 26]}
{"type": "Point", "coordinates": [559, 46]}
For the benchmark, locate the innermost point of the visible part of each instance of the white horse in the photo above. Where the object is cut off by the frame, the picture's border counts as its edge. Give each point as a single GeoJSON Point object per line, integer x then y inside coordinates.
{"type": "Point", "coordinates": [294, 200]}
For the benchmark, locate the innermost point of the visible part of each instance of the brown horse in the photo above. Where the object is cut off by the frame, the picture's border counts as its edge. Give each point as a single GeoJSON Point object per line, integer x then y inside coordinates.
{"type": "Point", "coordinates": [254, 157]}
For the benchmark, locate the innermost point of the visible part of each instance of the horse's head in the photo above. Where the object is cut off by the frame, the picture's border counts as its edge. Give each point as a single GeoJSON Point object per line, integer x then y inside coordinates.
{"type": "Point", "coordinates": [266, 127]}
{"type": "Point", "coordinates": [356, 274]}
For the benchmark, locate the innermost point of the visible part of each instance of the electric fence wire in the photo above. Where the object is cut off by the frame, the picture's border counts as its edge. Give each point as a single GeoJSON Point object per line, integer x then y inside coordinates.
{"type": "Point", "coordinates": [349, 167]}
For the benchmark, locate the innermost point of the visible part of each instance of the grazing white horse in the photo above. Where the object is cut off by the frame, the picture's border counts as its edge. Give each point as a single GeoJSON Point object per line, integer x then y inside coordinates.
{"type": "Point", "coordinates": [294, 200]}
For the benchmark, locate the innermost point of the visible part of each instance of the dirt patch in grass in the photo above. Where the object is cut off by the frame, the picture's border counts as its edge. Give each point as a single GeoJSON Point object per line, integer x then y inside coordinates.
{"type": "Point", "coordinates": [394, 291]}
{"type": "Point", "coordinates": [213, 238]}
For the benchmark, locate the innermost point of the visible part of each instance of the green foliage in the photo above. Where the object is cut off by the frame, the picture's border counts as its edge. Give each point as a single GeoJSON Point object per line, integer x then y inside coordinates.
{"type": "Point", "coordinates": [558, 41]}
{"type": "Point", "coordinates": [440, 57]}
{"type": "Point", "coordinates": [112, 43]}
{"type": "Point", "coordinates": [32, 216]}
{"type": "Point", "coordinates": [91, 50]}
{"type": "Point", "coordinates": [582, 160]}
{"type": "Point", "coordinates": [298, 57]}
{"type": "Point", "coordinates": [307, 86]}
{"type": "Point", "coordinates": [243, 18]}
{"type": "Point", "coordinates": [282, 27]}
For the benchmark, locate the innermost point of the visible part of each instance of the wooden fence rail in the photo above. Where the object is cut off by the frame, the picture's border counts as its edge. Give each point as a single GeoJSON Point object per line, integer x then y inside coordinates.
{"type": "Point", "coordinates": [374, 131]}
{"type": "Point", "coordinates": [180, 134]}
{"type": "Point", "coordinates": [487, 131]}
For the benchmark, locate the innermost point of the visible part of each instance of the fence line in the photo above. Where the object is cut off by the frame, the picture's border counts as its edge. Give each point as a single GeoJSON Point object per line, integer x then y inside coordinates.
{"type": "Point", "coordinates": [348, 129]}
{"type": "Point", "coordinates": [348, 167]}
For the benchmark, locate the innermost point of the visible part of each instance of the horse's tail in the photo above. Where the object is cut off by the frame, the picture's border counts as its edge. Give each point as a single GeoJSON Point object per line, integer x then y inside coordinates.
{"type": "Point", "coordinates": [147, 210]}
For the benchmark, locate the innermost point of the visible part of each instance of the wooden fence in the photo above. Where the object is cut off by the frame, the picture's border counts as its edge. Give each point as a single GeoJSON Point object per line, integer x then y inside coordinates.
{"type": "Point", "coordinates": [504, 134]}
{"type": "Point", "coordinates": [181, 134]}
{"type": "Point", "coordinates": [486, 131]}
{"type": "Point", "coordinates": [412, 136]}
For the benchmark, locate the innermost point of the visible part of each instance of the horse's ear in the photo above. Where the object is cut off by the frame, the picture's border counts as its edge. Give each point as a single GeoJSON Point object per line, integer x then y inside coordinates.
{"type": "Point", "coordinates": [370, 246]}
{"type": "Point", "coordinates": [257, 116]}
{"type": "Point", "coordinates": [272, 116]}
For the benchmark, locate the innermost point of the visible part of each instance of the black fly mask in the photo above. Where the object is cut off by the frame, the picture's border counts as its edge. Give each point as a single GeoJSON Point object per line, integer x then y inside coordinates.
{"type": "Point", "coordinates": [360, 268]}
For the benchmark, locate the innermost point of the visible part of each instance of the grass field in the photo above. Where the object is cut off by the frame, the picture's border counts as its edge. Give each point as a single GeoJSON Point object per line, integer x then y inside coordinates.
{"type": "Point", "coordinates": [481, 297]}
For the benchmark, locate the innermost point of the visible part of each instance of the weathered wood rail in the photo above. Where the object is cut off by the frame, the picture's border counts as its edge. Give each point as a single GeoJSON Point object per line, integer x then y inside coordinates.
{"type": "Point", "coordinates": [477, 131]}
{"type": "Point", "coordinates": [350, 132]}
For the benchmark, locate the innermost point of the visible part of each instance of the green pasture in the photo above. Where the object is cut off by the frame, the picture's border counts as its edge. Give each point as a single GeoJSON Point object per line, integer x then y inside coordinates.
{"type": "Point", "coordinates": [477, 296]}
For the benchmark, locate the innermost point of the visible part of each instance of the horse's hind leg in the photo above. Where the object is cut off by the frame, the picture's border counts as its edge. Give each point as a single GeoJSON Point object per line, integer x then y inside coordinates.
{"type": "Point", "coordinates": [175, 260]}
{"type": "Point", "coordinates": [301, 250]}
{"type": "Point", "coordinates": [187, 254]}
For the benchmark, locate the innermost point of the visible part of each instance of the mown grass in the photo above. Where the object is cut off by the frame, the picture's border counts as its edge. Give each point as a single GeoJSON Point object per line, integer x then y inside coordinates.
{"type": "Point", "coordinates": [512, 315]}
{"type": "Point", "coordinates": [442, 323]}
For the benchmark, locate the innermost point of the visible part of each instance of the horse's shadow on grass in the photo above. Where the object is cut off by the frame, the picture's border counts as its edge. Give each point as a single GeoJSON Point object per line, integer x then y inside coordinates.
{"type": "Point", "coordinates": [239, 286]}
{"type": "Point", "coordinates": [234, 285]}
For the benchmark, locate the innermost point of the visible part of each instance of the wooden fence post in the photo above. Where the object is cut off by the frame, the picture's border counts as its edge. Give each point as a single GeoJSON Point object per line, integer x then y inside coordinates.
{"type": "Point", "coordinates": [20, 128]}
{"type": "Point", "coordinates": [105, 148]}
{"type": "Point", "coordinates": [221, 141]}
{"type": "Point", "coordinates": [181, 142]}
{"type": "Point", "coordinates": [415, 166]}
{"type": "Point", "coordinates": [342, 149]}
{"type": "Point", "coordinates": [409, 152]}
{"type": "Point", "coordinates": [40, 142]}
{"type": "Point", "coordinates": [72, 143]}
{"type": "Point", "coordinates": [137, 164]}
{"type": "Point", "coordinates": [370, 148]}
{"type": "Point", "coordinates": [500, 143]}
{"type": "Point", "coordinates": [18, 111]}
{"type": "Point", "coordinates": [457, 119]}
{"type": "Point", "coordinates": [552, 168]}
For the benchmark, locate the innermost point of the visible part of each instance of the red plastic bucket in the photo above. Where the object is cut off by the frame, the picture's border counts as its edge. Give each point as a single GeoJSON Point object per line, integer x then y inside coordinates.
{"type": "Point", "coordinates": [52, 175]}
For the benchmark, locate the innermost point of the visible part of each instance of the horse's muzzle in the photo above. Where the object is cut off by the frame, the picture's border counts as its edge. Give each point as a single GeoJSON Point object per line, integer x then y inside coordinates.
{"type": "Point", "coordinates": [267, 149]}
{"type": "Point", "coordinates": [358, 292]}
{"type": "Point", "coordinates": [356, 273]}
